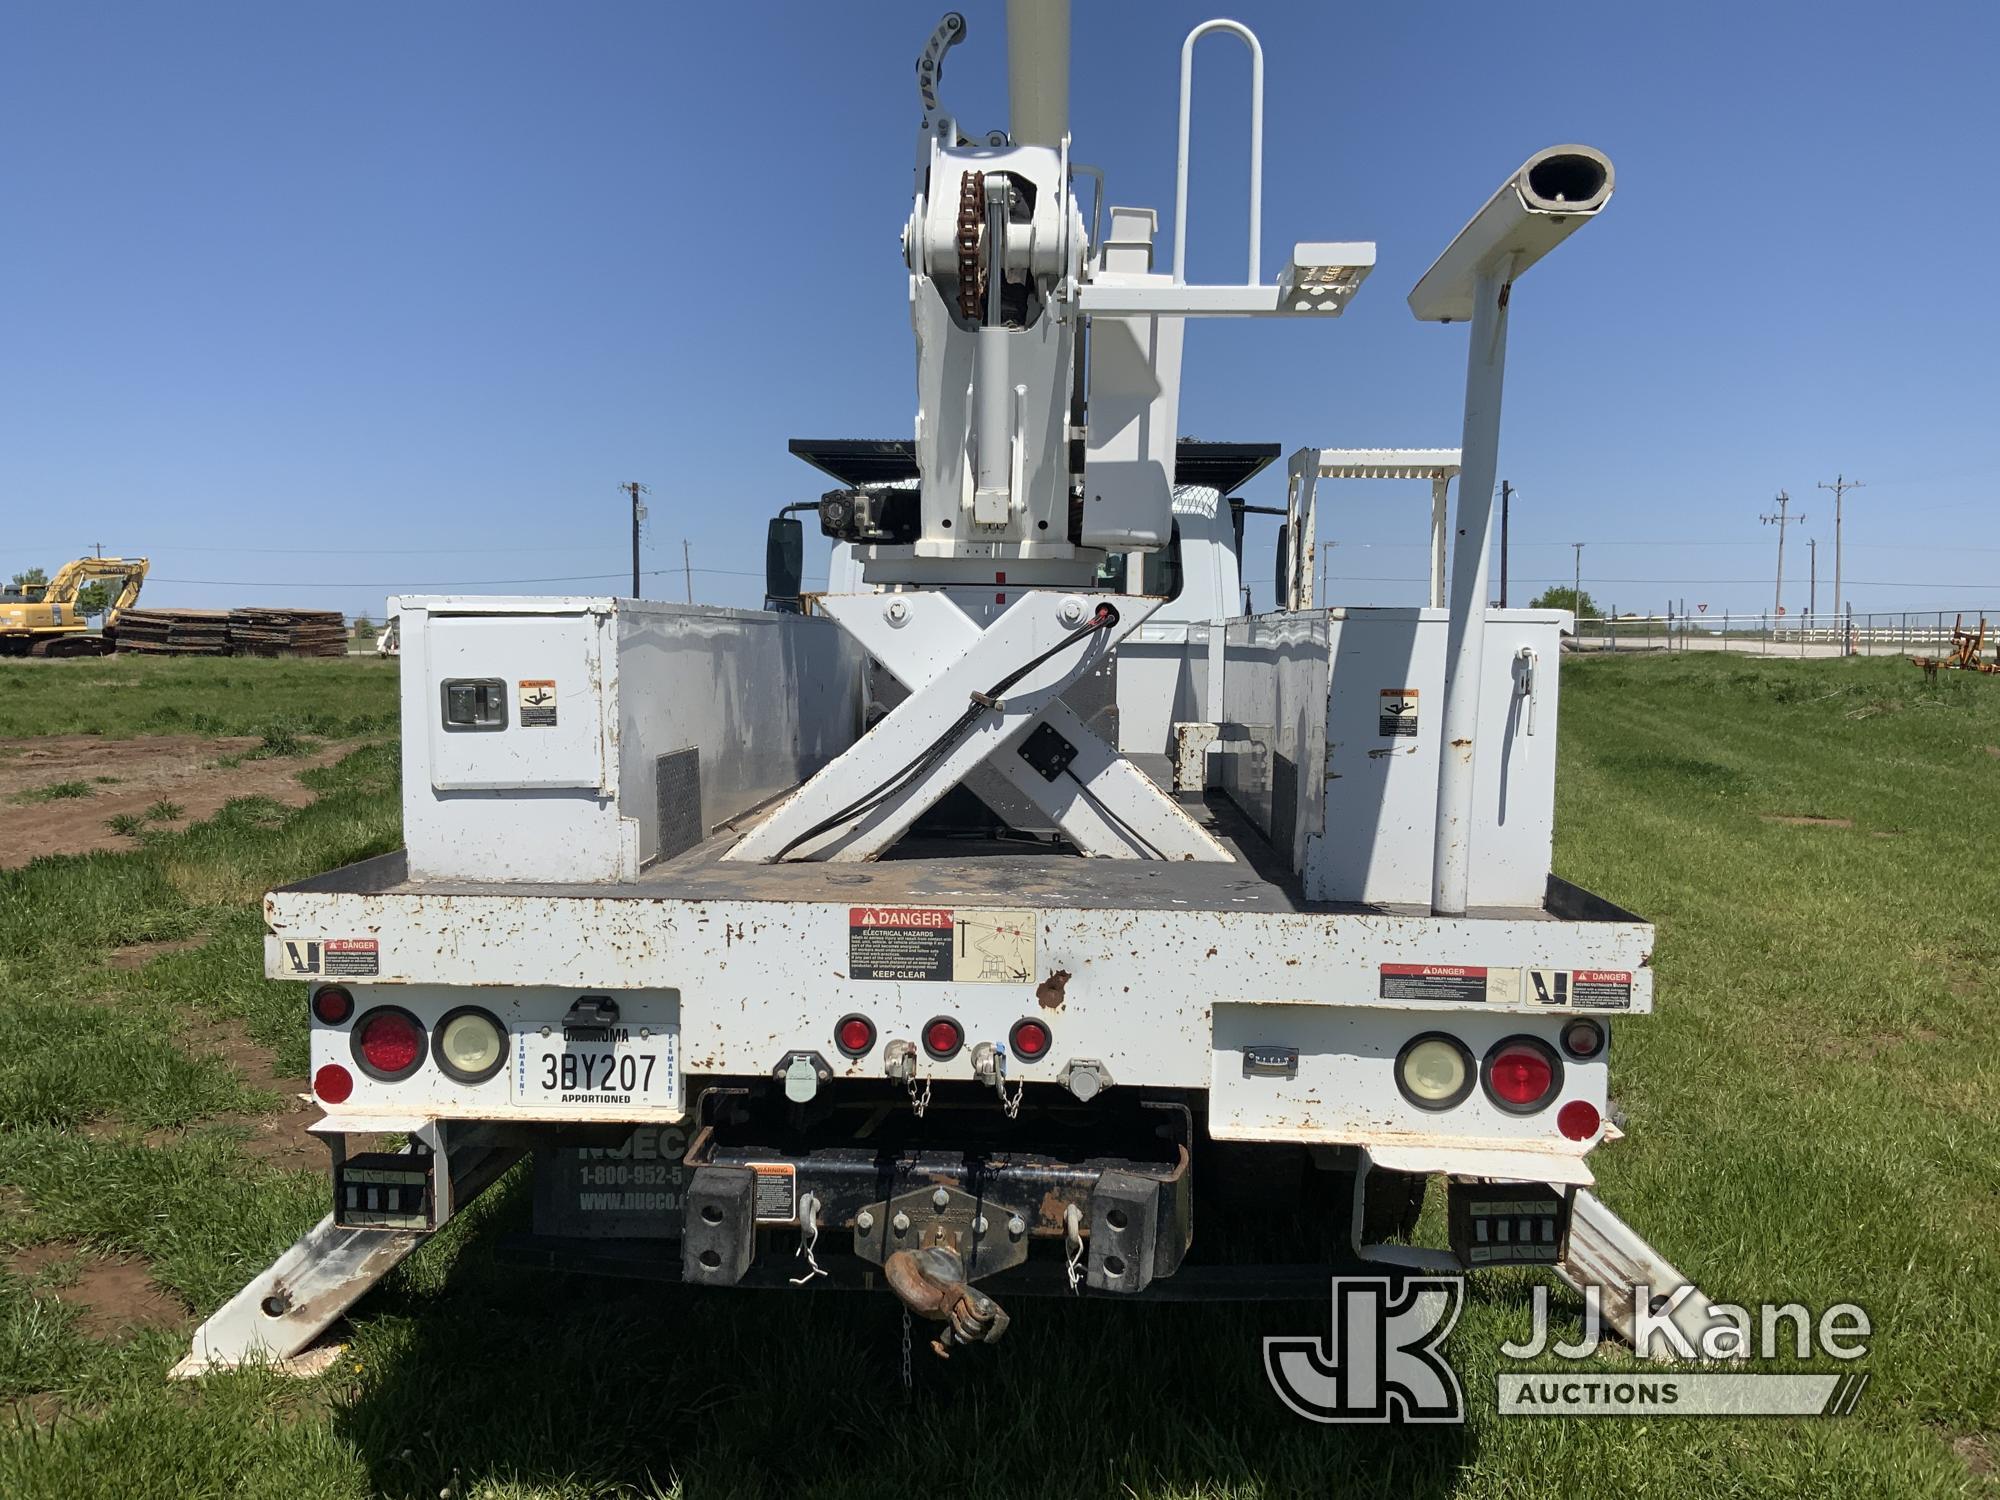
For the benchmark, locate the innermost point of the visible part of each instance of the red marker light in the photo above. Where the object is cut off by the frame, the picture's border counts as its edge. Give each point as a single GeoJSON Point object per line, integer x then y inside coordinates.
{"type": "Point", "coordinates": [854, 1035]}
{"type": "Point", "coordinates": [332, 1004]}
{"type": "Point", "coordinates": [943, 1037]}
{"type": "Point", "coordinates": [1030, 1040]}
{"type": "Point", "coordinates": [1577, 1120]}
{"type": "Point", "coordinates": [389, 1043]}
{"type": "Point", "coordinates": [333, 1083]}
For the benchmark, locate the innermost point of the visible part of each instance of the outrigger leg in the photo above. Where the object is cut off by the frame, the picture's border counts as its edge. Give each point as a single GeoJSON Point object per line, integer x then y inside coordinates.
{"type": "Point", "coordinates": [385, 1206]}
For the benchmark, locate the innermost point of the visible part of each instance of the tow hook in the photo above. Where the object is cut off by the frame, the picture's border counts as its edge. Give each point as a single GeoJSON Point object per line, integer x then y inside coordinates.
{"type": "Point", "coordinates": [931, 1283]}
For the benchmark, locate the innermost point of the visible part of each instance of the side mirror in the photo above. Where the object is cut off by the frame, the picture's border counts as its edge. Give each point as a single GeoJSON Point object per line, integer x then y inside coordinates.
{"type": "Point", "coordinates": [784, 564]}
{"type": "Point", "coordinates": [1282, 585]}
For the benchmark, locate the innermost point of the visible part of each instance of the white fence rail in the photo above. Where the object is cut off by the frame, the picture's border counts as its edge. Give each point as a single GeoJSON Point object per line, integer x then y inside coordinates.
{"type": "Point", "coordinates": [1916, 632]}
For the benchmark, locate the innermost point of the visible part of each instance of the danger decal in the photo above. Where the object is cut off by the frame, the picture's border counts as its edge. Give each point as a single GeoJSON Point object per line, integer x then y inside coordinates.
{"type": "Point", "coordinates": [535, 698]}
{"type": "Point", "coordinates": [1448, 982]}
{"type": "Point", "coordinates": [1608, 989]}
{"type": "Point", "coordinates": [332, 958]}
{"type": "Point", "coordinates": [1399, 713]}
{"type": "Point", "coordinates": [940, 944]}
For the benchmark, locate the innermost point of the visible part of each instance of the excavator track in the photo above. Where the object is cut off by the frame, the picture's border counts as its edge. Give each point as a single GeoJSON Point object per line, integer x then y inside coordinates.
{"type": "Point", "coordinates": [76, 645]}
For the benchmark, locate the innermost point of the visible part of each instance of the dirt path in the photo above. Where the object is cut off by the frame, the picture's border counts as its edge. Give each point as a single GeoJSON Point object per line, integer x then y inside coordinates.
{"type": "Point", "coordinates": [181, 769]}
{"type": "Point", "coordinates": [112, 1297]}
{"type": "Point", "coordinates": [279, 1139]}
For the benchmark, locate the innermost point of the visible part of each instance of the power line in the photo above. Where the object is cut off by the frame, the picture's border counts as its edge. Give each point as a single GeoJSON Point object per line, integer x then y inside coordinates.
{"type": "Point", "coordinates": [448, 583]}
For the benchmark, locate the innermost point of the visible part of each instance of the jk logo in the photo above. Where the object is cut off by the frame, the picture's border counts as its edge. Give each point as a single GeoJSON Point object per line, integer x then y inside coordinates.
{"type": "Point", "coordinates": [1381, 1361]}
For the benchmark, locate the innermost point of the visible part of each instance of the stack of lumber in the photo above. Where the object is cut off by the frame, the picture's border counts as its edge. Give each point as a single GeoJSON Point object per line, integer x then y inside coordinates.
{"type": "Point", "coordinates": [177, 632]}
{"type": "Point", "coordinates": [290, 632]}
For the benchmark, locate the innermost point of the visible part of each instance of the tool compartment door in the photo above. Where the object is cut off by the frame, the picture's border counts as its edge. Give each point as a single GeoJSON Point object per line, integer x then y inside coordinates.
{"type": "Point", "coordinates": [547, 673]}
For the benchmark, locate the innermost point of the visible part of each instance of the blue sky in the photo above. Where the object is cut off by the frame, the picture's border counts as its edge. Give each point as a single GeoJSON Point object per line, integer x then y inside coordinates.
{"type": "Point", "coordinates": [315, 302]}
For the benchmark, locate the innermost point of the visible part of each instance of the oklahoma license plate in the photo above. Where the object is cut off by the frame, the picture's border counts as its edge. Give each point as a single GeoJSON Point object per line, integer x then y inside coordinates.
{"type": "Point", "coordinates": [596, 1066]}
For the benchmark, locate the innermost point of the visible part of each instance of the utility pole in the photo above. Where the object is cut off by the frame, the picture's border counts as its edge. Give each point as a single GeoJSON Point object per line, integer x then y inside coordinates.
{"type": "Point", "coordinates": [1781, 520]}
{"type": "Point", "coordinates": [1576, 589]}
{"type": "Point", "coordinates": [1506, 494]}
{"type": "Point", "coordinates": [1812, 589]}
{"type": "Point", "coordinates": [1840, 486]}
{"type": "Point", "coordinates": [635, 489]}
{"type": "Point", "coordinates": [100, 548]}
{"type": "Point", "coordinates": [687, 569]}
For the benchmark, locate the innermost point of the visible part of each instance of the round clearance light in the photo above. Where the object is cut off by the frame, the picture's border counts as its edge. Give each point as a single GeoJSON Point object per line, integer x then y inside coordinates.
{"type": "Point", "coordinates": [1577, 1119]}
{"type": "Point", "coordinates": [1522, 1074]}
{"type": "Point", "coordinates": [469, 1045]}
{"type": "Point", "coordinates": [1030, 1040]}
{"type": "Point", "coordinates": [388, 1044]}
{"type": "Point", "coordinates": [854, 1035]}
{"type": "Point", "coordinates": [332, 1004]}
{"type": "Point", "coordinates": [332, 1084]}
{"type": "Point", "coordinates": [1434, 1071]}
{"type": "Point", "coordinates": [1583, 1038]}
{"type": "Point", "coordinates": [943, 1037]}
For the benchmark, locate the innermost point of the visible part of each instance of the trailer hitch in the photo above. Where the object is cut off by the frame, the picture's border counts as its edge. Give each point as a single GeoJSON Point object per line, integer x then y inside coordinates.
{"type": "Point", "coordinates": [931, 1283]}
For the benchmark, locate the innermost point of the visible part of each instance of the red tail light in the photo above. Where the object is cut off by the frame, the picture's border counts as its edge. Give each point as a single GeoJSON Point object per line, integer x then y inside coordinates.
{"type": "Point", "coordinates": [943, 1037]}
{"type": "Point", "coordinates": [389, 1044]}
{"type": "Point", "coordinates": [332, 1004]}
{"type": "Point", "coordinates": [1522, 1075]}
{"type": "Point", "coordinates": [1030, 1039]}
{"type": "Point", "coordinates": [333, 1084]}
{"type": "Point", "coordinates": [854, 1035]}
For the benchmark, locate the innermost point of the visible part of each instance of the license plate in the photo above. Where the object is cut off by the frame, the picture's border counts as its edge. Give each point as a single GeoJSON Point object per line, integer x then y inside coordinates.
{"type": "Point", "coordinates": [597, 1066]}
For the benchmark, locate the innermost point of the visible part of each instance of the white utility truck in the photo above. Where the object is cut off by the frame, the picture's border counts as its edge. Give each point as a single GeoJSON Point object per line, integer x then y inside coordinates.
{"type": "Point", "coordinates": [1021, 913]}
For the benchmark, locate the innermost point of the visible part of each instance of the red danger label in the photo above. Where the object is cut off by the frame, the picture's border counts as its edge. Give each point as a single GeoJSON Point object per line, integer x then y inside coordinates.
{"type": "Point", "coordinates": [1610, 988]}
{"type": "Point", "coordinates": [898, 916]}
{"type": "Point", "coordinates": [899, 943]}
{"type": "Point", "coordinates": [353, 957]}
{"type": "Point", "coordinates": [967, 945]}
{"type": "Point", "coordinates": [1449, 982]}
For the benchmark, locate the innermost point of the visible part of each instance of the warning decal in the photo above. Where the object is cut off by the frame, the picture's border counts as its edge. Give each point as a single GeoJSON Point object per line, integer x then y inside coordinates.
{"type": "Point", "coordinates": [775, 1200]}
{"type": "Point", "coordinates": [969, 946]}
{"type": "Point", "coordinates": [346, 958]}
{"type": "Point", "coordinates": [1609, 988]}
{"type": "Point", "coordinates": [1454, 982]}
{"type": "Point", "coordinates": [352, 957]}
{"type": "Point", "coordinates": [536, 699]}
{"type": "Point", "coordinates": [1399, 713]}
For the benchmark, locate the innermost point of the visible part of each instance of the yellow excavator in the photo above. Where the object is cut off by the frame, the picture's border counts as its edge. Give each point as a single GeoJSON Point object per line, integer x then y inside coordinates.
{"type": "Point", "coordinates": [42, 619]}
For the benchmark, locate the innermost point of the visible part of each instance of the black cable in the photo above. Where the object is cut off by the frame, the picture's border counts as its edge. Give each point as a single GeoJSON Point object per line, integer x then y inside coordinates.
{"type": "Point", "coordinates": [1104, 619]}
{"type": "Point", "coordinates": [1112, 818]}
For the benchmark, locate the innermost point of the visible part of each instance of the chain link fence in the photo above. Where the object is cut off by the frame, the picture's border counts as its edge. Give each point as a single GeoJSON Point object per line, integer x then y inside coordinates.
{"type": "Point", "coordinates": [1915, 632]}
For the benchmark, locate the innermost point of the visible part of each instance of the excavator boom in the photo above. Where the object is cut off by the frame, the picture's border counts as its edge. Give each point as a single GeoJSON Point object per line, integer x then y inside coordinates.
{"type": "Point", "coordinates": [51, 625]}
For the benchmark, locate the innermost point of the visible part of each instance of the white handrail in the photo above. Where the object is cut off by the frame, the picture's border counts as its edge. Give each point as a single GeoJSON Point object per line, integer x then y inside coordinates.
{"type": "Point", "coordinates": [1249, 39]}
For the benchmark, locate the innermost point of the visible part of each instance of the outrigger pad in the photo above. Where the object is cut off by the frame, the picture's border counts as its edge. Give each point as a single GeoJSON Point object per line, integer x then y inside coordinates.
{"type": "Point", "coordinates": [1124, 1231]}
{"type": "Point", "coordinates": [720, 1235]}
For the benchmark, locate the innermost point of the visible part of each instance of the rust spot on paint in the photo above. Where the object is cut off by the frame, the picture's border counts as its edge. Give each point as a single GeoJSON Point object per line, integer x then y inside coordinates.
{"type": "Point", "coordinates": [1049, 993]}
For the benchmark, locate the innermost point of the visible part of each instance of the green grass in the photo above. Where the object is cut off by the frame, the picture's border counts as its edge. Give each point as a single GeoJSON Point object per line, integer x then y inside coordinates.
{"type": "Point", "coordinates": [1814, 1114]}
{"type": "Point", "coordinates": [122, 696]}
{"type": "Point", "coordinates": [55, 792]}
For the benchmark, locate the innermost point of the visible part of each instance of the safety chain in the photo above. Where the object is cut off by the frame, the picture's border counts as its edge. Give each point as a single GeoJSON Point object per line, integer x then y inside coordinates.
{"type": "Point", "coordinates": [808, 1237]}
{"type": "Point", "coordinates": [1073, 1245]}
{"type": "Point", "coordinates": [971, 217]}
{"type": "Point", "coordinates": [1011, 1103]}
{"type": "Point", "coordinates": [918, 1102]}
{"type": "Point", "coordinates": [906, 1353]}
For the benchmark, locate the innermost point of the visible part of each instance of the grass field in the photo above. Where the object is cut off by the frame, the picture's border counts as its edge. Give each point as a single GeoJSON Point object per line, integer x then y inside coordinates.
{"type": "Point", "coordinates": [1814, 1114]}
